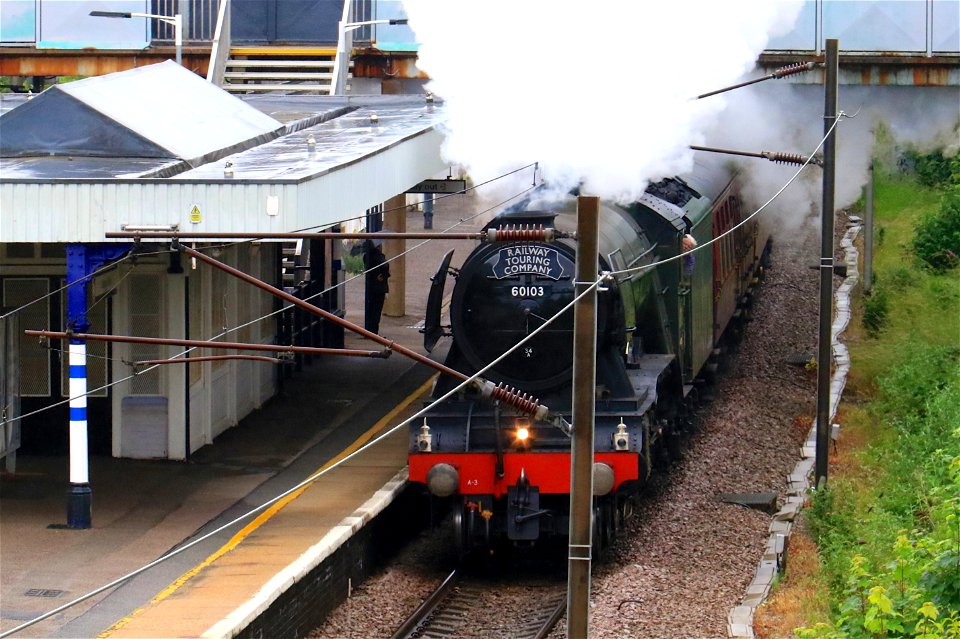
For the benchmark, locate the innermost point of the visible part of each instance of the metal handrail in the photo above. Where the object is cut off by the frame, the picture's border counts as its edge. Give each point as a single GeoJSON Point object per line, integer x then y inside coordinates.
{"type": "Point", "coordinates": [220, 48]}
{"type": "Point", "coordinates": [200, 18]}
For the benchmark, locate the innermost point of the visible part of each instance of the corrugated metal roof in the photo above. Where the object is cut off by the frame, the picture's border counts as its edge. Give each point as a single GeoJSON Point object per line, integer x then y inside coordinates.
{"type": "Point", "coordinates": [322, 148]}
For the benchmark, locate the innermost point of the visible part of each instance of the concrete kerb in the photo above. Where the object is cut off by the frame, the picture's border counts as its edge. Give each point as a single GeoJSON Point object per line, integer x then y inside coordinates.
{"type": "Point", "coordinates": [241, 617]}
{"type": "Point", "coordinates": [773, 561]}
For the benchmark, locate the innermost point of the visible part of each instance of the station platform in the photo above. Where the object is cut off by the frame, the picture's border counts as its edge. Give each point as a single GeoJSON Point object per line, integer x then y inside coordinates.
{"type": "Point", "coordinates": [144, 509]}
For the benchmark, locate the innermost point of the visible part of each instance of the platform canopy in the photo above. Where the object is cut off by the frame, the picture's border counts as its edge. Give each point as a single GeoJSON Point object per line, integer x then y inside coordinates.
{"type": "Point", "coordinates": [93, 156]}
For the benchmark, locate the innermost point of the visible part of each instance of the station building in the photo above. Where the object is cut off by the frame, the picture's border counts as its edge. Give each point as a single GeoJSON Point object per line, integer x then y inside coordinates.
{"type": "Point", "coordinates": [87, 158]}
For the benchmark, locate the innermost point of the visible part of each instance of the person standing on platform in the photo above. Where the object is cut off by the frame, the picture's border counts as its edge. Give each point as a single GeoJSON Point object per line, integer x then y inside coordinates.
{"type": "Point", "coordinates": [377, 285]}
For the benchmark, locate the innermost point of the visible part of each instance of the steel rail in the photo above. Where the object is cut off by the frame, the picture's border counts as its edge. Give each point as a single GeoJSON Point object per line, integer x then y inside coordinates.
{"type": "Point", "coordinates": [558, 612]}
{"type": "Point", "coordinates": [438, 596]}
{"type": "Point", "coordinates": [240, 346]}
{"type": "Point", "coordinates": [451, 605]}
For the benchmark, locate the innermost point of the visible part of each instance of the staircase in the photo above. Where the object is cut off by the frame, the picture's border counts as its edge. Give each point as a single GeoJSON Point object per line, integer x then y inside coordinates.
{"type": "Point", "coordinates": [294, 266]}
{"type": "Point", "coordinates": [279, 68]}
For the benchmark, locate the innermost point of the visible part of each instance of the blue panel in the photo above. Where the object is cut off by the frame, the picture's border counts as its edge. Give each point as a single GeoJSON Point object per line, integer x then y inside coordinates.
{"type": "Point", "coordinates": [286, 21]}
{"type": "Point", "coordinates": [82, 261]}
{"type": "Point", "coordinates": [78, 414]}
{"type": "Point", "coordinates": [18, 21]}
{"type": "Point", "coordinates": [308, 21]}
{"type": "Point", "coordinates": [78, 372]}
{"type": "Point", "coordinates": [252, 20]}
{"type": "Point", "coordinates": [69, 25]}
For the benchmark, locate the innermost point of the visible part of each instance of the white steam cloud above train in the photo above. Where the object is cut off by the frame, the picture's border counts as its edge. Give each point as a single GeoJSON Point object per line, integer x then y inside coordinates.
{"type": "Point", "coordinates": [776, 116]}
{"type": "Point", "coordinates": [598, 93]}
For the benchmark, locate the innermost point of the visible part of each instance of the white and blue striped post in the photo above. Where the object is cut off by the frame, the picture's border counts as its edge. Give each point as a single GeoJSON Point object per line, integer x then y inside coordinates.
{"type": "Point", "coordinates": [80, 495]}
{"type": "Point", "coordinates": [82, 261]}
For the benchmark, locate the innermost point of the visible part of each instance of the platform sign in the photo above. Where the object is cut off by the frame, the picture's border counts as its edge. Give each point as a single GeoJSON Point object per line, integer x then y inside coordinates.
{"type": "Point", "coordinates": [439, 186]}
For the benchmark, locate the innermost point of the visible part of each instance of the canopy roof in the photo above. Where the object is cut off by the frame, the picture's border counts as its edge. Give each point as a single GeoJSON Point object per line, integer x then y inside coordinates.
{"type": "Point", "coordinates": [157, 111]}
{"type": "Point", "coordinates": [323, 159]}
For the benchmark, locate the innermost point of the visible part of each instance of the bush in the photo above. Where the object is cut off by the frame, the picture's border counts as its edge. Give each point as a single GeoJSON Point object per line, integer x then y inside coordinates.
{"type": "Point", "coordinates": [937, 237]}
{"type": "Point", "coordinates": [893, 553]}
{"type": "Point", "coordinates": [875, 309]}
{"type": "Point", "coordinates": [352, 264]}
{"type": "Point", "coordinates": [933, 169]}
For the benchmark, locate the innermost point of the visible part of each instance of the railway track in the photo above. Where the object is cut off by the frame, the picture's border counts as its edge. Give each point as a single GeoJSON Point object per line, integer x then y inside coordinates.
{"type": "Point", "coordinates": [457, 605]}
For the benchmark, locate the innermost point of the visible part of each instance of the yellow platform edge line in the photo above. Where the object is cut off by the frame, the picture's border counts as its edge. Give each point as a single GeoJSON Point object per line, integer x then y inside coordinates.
{"type": "Point", "coordinates": [273, 509]}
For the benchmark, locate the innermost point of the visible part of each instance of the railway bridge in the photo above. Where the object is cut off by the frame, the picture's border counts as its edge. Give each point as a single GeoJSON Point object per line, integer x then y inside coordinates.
{"type": "Point", "coordinates": [275, 44]}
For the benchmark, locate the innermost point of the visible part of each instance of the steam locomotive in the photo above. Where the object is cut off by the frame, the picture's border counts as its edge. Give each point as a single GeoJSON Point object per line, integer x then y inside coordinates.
{"type": "Point", "coordinates": [660, 328]}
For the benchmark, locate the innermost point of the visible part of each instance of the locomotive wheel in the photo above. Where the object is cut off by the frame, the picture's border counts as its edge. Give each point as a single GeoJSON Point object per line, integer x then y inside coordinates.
{"type": "Point", "coordinates": [673, 442]}
{"type": "Point", "coordinates": [608, 507]}
{"type": "Point", "coordinates": [461, 535]}
{"type": "Point", "coordinates": [597, 543]}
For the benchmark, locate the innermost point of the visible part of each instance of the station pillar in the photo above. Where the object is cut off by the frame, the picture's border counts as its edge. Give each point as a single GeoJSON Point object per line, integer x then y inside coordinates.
{"type": "Point", "coordinates": [395, 219]}
{"type": "Point", "coordinates": [82, 261]}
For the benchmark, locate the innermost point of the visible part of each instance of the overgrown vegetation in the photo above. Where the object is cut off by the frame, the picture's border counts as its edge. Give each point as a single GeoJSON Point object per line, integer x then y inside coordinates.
{"type": "Point", "coordinates": [937, 240]}
{"type": "Point", "coordinates": [888, 525]}
{"type": "Point", "coordinates": [875, 310]}
{"type": "Point", "coordinates": [891, 547]}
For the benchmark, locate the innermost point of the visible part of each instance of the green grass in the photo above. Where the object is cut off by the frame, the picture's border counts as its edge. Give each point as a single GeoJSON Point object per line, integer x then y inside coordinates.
{"type": "Point", "coordinates": [888, 525]}
{"type": "Point", "coordinates": [922, 306]}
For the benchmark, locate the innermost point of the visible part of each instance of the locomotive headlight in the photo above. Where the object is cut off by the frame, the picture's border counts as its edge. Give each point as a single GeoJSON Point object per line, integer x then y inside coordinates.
{"type": "Point", "coordinates": [522, 434]}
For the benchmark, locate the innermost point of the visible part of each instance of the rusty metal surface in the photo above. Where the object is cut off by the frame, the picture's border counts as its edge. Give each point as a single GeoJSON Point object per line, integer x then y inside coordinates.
{"type": "Point", "coordinates": [28, 61]}
{"type": "Point", "coordinates": [876, 69]}
{"type": "Point", "coordinates": [374, 63]}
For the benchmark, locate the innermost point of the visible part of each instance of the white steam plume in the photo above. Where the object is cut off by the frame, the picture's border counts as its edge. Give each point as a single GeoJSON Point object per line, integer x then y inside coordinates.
{"type": "Point", "coordinates": [776, 116]}
{"type": "Point", "coordinates": [599, 93]}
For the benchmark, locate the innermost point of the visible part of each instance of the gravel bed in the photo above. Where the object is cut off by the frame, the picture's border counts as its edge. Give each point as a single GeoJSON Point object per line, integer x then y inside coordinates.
{"type": "Point", "coordinates": [685, 558]}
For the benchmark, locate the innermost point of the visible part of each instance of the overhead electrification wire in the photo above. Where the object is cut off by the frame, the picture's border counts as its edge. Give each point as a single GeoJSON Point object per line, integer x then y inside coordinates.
{"type": "Point", "coordinates": [306, 482]}
{"type": "Point", "coordinates": [396, 208]}
{"type": "Point", "coordinates": [106, 269]}
{"type": "Point", "coordinates": [810, 158]}
{"type": "Point", "coordinates": [312, 478]}
{"type": "Point", "coordinates": [253, 321]}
